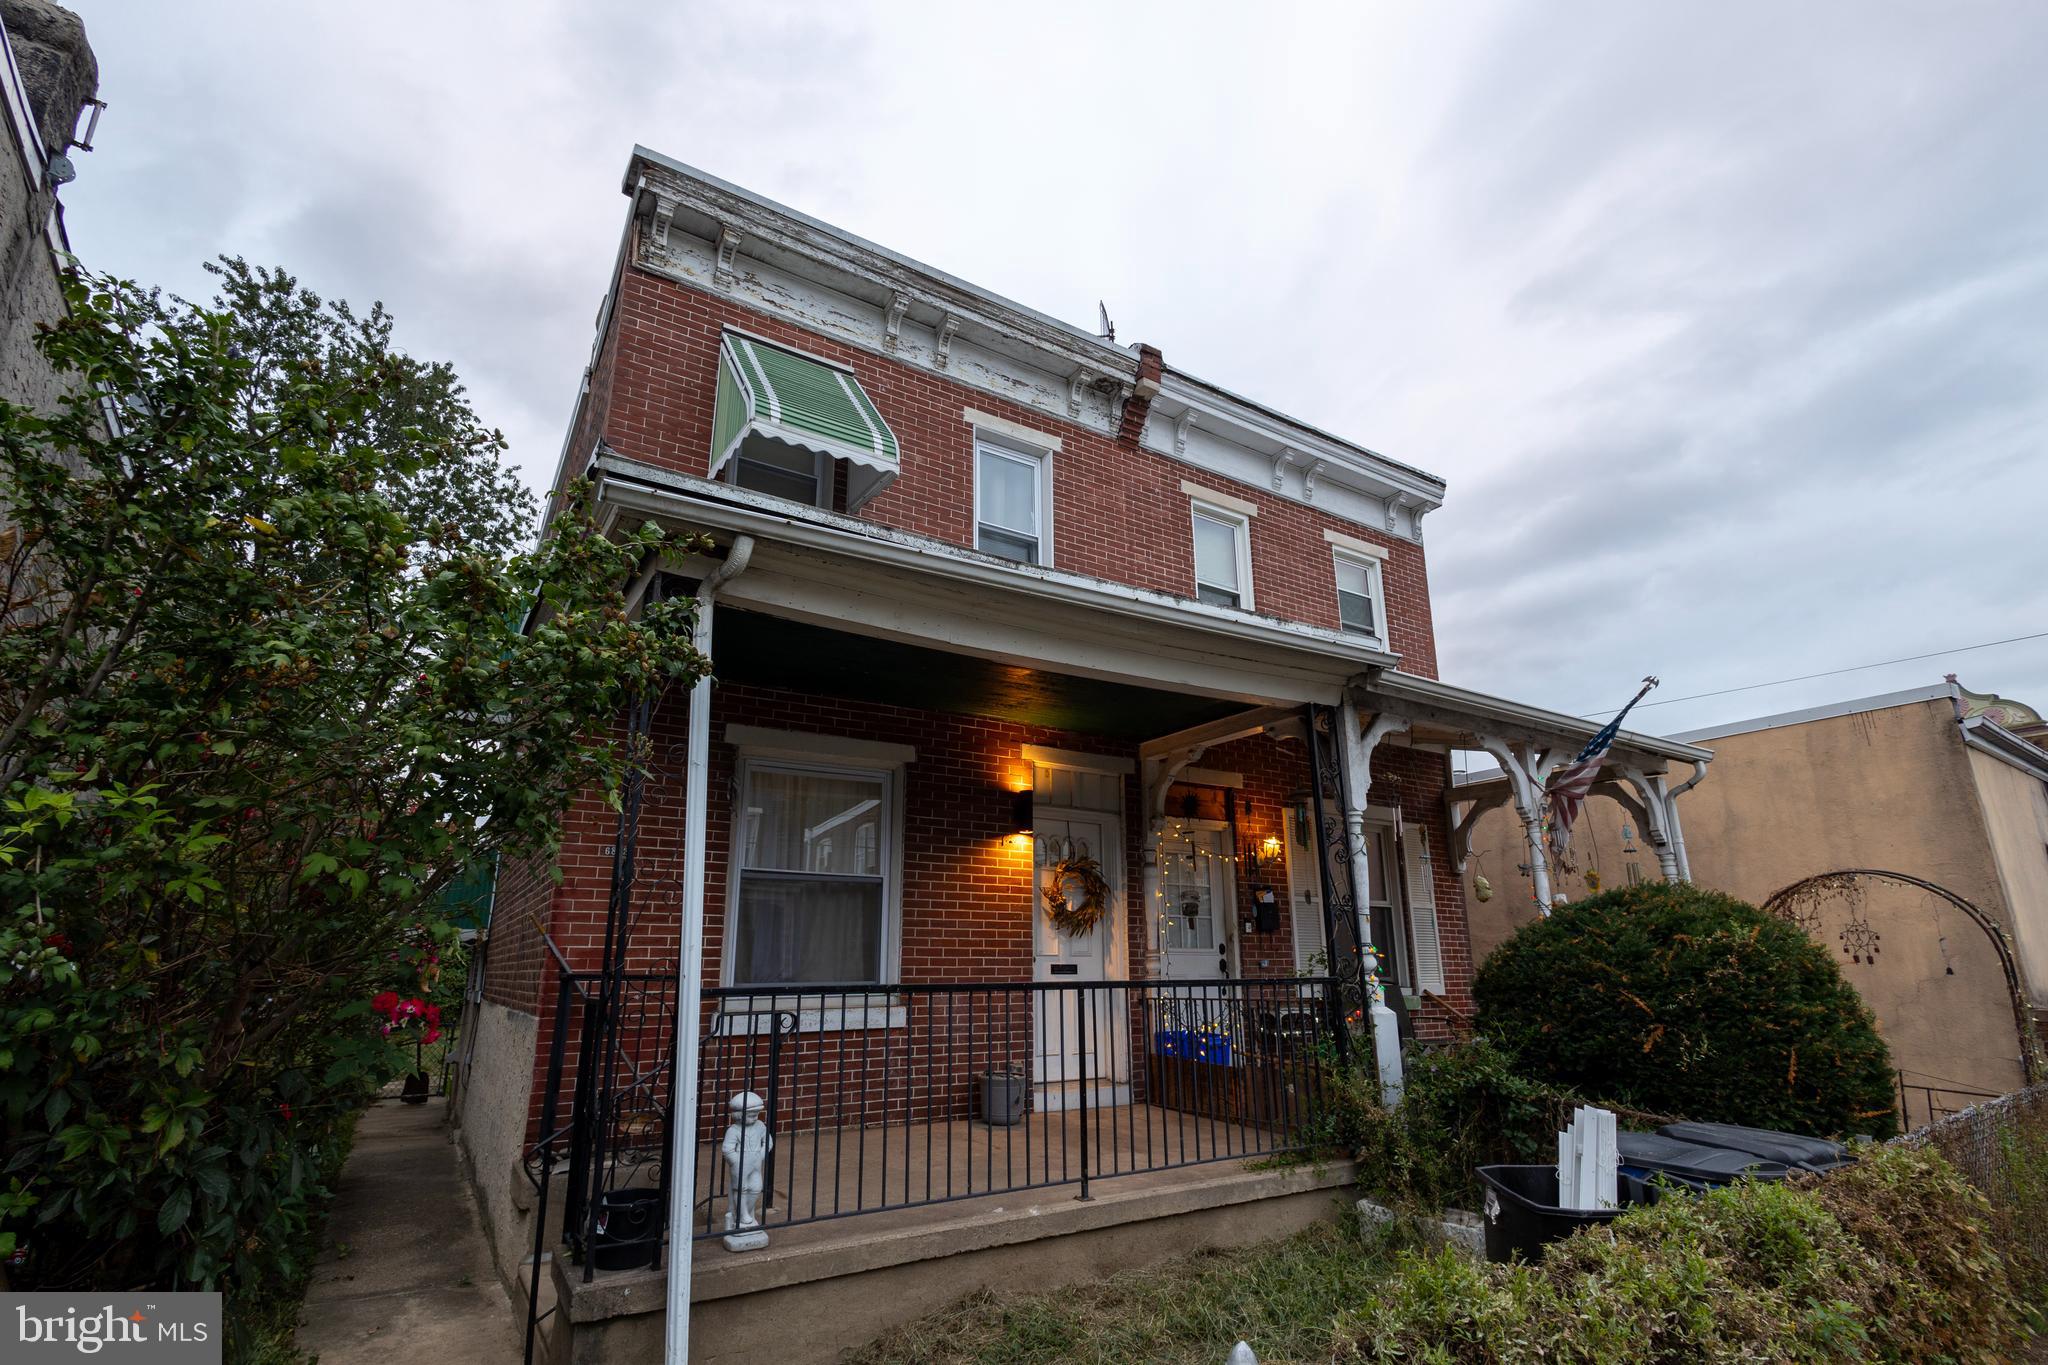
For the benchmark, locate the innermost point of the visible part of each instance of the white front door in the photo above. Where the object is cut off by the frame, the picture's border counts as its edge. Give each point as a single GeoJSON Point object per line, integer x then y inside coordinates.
{"type": "Point", "coordinates": [1201, 905]}
{"type": "Point", "coordinates": [1305, 908]}
{"type": "Point", "coordinates": [1075, 1027]}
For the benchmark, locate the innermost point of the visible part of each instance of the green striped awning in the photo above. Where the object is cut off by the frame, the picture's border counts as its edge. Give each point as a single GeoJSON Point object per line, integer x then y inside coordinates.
{"type": "Point", "coordinates": [764, 390]}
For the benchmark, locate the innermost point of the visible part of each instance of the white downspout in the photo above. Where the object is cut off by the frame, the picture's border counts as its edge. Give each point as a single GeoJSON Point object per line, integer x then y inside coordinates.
{"type": "Point", "coordinates": [1699, 770]}
{"type": "Point", "coordinates": [682, 1157]}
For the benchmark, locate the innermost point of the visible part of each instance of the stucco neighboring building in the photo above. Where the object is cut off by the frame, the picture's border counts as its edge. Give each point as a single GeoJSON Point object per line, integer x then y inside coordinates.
{"type": "Point", "coordinates": [1937, 784]}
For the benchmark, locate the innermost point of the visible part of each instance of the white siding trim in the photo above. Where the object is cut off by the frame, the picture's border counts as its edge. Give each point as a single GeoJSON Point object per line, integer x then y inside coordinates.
{"type": "Point", "coordinates": [1222, 501]}
{"type": "Point", "coordinates": [1210, 777]}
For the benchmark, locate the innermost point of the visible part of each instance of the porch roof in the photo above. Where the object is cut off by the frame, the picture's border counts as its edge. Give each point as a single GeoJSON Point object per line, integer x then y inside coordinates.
{"type": "Point", "coordinates": [855, 576]}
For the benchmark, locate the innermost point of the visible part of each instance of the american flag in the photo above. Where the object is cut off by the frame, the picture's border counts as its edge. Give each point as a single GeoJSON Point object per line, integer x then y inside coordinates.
{"type": "Point", "coordinates": [1569, 786]}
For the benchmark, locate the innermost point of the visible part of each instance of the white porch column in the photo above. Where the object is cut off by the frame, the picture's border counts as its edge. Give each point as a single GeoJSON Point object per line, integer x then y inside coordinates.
{"type": "Point", "coordinates": [1358, 744]}
{"type": "Point", "coordinates": [682, 1155]}
{"type": "Point", "coordinates": [1526, 772]}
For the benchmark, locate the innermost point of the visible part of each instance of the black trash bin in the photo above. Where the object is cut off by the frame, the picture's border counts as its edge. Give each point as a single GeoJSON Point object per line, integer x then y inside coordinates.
{"type": "Point", "coordinates": [1649, 1159]}
{"type": "Point", "coordinates": [1787, 1149]}
{"type": "Point", "coordinates": [1522, 1215]}
{"type": "Point", "coordinates": [628, 1233]}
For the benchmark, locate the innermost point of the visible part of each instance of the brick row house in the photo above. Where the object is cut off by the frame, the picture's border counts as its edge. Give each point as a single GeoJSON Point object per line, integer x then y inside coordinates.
{"type": "Point", "coordinates": [1064, 706]}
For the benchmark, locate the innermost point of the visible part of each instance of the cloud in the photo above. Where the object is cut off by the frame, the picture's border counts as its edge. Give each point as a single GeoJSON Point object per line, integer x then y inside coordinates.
{"type": "Point", "coordinates": [1725, 325]}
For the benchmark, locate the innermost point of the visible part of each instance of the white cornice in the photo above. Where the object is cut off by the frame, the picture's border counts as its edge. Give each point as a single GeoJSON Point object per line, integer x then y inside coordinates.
{"type": "Point", "coordinates": [716, 210]}
{"type": "Point", "coordinates": [922, 315]}
{"type": "Point", "coordinates": [1282, 442]}
{"type": "Point", "coordinates": [1989, 737]}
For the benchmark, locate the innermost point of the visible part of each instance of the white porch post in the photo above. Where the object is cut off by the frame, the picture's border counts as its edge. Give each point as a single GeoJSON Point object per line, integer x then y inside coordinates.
{"type": "Point", "coordinates": [1526, 772]}
{"type": "Point", "coordinates": [682, 1156]}
{"type": "Point", "coordinates": [1358, 744]}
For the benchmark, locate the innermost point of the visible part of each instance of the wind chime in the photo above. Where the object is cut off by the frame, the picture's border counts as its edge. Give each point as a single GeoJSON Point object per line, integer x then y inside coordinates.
{"type": "Point", "coordinates": [1859, 937]}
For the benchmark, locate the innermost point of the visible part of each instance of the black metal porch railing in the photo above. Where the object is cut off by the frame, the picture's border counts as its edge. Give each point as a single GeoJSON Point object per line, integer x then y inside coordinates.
{"type": "Point", "coordinates": [901, 1096]}
{"type": "Point", "coordinates": [906, 1096]}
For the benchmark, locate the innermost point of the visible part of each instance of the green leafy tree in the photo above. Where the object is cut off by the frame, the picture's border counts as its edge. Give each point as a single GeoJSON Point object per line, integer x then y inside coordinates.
{"type": "Point", "coordinates": [270, 676]}
{"type": "Point", "coordinates": [1679, 1000]}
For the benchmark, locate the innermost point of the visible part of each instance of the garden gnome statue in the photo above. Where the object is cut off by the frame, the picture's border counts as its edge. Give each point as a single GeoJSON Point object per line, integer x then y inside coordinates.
{"type": "Point", "coordinates": [745, 1149]}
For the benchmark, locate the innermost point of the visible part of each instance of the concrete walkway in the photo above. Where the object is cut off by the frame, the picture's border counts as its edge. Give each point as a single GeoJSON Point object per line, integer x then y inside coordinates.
{"type": "Point", "coordinates": [406, 1273]}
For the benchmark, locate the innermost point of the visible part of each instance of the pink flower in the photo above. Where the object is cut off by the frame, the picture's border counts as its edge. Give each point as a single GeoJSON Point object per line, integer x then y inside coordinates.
{"type": "Point", "coordinates": [384, 1002]}
{"type": "Point", "coordinates": [433, 1034]}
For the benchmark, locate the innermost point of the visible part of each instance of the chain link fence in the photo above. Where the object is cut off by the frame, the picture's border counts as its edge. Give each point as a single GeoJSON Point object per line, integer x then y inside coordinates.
{"type": "Point", "coordinates": [2001, 1147]}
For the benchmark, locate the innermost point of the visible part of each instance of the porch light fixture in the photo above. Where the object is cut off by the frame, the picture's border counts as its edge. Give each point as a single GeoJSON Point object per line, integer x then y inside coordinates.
{"type": "Point", "coordinates": [1020, 812]}
{"type": "Point", "coordinates": [1270, 849]}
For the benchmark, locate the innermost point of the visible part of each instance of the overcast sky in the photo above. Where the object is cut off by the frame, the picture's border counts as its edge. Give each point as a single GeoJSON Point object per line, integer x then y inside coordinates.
{"type": "Point", "coordinates": [1726, 323]}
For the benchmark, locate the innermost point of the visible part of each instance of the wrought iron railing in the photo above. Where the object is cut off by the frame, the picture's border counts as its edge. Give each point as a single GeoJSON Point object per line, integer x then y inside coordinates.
{"type": "Point", "coordinates": [881, 1098]}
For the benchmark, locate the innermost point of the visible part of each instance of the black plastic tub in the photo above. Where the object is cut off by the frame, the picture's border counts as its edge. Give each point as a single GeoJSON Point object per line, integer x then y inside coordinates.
{"type": "Point", "coordinates": [1787, 1149]}
{"type": "Point", "coordinates": [1522, 1215]}
{"type": "Point", "coordinates": [628, 1232]}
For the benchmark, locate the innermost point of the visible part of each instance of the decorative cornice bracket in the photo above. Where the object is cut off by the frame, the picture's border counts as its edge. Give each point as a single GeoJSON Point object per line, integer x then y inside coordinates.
{"type": "Point", "coordinates": [1308, 481]}
{"type": "Point", "coordinates": [942, 353]}
{"type": "Point", "coordinates": [892, 321]}
{"type": "Point", "coordinates": [728, 253]}
{"type": "Point", "coordinates": [1285, 458]}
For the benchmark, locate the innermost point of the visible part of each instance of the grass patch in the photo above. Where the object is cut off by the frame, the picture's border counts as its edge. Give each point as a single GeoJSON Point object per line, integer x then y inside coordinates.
{"type": "Point", "coordinates": [1283, 1296]}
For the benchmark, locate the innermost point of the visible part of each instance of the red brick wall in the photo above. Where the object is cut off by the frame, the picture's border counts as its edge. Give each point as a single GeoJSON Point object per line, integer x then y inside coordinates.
{"type": "Point", "coordinates": [1118, 510]}
{"type": "Point", "coordinates": [966, 898]}
{"type": "Point", "coordinates": [519, 917]}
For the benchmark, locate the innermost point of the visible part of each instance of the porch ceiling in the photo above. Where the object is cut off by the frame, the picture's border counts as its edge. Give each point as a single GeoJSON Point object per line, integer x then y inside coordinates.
{"type": "Point", "coordinates": [767, 651]}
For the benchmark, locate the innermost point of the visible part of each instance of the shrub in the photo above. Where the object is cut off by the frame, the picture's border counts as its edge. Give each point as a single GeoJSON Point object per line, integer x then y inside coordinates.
{"type": "Point", "coordinates": [1887, 1260]}
{"type": "Point", "coordinates": [264, 693]}
{"type": "Point", "coordinates": [1679, 1000]}
{"type": "Point", "coordinates": [1461, 1107]}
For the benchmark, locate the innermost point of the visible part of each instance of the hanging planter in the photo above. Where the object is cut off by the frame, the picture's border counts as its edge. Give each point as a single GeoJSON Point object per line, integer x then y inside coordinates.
{"type": "Point", "coordinates": [1076, 896]}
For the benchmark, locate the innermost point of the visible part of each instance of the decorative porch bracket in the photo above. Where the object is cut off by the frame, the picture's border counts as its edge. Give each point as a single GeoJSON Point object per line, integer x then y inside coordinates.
{"type": "Point", "coordinates": [1357, 743]}
{"type": "Point", "coordinates": [1527, 769]}
{"type": "Point", "coordinates": [1461, 824]}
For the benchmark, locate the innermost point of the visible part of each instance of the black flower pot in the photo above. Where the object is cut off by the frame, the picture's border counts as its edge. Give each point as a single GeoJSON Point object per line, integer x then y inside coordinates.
{"type": "Point", "coordinates": [415, 1091]}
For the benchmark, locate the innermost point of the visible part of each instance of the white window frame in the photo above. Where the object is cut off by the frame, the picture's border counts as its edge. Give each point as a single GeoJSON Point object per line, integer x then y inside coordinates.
{"type": "Point", "coordinates": [1022, 452]}
{"type": "Point", "coordinates": [1241, 529]}
{"type": "Point", "coordinates": [876, 1008]}
{"type": "Point", "coordinates": [1375, 583]}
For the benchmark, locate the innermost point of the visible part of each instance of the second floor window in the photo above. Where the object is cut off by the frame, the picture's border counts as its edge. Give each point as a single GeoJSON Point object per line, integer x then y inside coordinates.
{"type": "Point", "coordinates": [785, 471]}
{"type": "Point", "coordinates": [1010, 502]}
{"type": "Point", "coordinates": [1223, 569]}
{"type": "Point", "coordinates": [1360, 607]}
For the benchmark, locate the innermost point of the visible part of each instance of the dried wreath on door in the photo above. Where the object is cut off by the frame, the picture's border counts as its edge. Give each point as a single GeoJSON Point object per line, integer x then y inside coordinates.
{"type": "Point", "coordinates": [1076, 895]}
